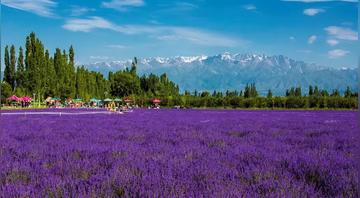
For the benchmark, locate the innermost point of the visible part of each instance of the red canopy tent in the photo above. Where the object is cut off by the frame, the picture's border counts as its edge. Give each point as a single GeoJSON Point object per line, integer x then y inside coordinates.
{"type": "Point", "coordinates": [13, 98]}
{"type": "Point", "coordinates": [156, 101]}
{"type": "Point", "coordinates": [26, 99]}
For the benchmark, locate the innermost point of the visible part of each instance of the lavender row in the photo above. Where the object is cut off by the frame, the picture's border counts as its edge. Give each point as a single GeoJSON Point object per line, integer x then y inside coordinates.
{"type": "Point", "coordinates": [180, 153]}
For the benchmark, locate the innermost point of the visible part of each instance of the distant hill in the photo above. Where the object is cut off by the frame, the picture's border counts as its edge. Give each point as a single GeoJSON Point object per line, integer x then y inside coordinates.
{"type": "Point", "coordinates": [234, 71]}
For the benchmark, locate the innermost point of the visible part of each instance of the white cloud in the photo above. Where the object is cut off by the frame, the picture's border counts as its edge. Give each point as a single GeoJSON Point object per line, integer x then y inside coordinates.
{"type": "Point", "coordinates": [342, 33]}
{"type": "Point", "coordinates": [313, 11]}
{"type": "Point", "coordinates": [176, 33]}
{"type": "Point", "coordinates": [337, 53]}
{"type": "Point", "coordinates": [312, 39]}
{"type": "Point", "coordinates": [315, 1]}
{"type": "Point", "coordinates": [250, 7]}
{"type": "Point", "coordinates": [40, 7]}
{"type": "Point", "coordinates": [78, 11]}
{"type": "Point", "coordinates": [122, 5]}
{"type": "Point", "coordinates": [332, 42]}
{"type": "Point", "coordinates": [169, 33]}
{"type": "Point", "coordinates": [86, 25]}
{"type": "Point", "coordinates": [175, 7]}
{"type": "Point", "coordinates": [200, 37]}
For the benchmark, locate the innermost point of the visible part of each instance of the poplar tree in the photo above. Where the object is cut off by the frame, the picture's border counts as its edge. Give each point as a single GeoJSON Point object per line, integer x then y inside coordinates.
{"type": "Point", "coordinates": [311, 91]}
{"type": "Point", "coordinates": [133, 67]}
{"type": "Point", "coordinates": [59, 70]}
{"type": "Point", "coordinates": [34, 62]}
{"type": "Point", "coordinates": [20, 72]}
{"type": "Point", "coordinates": [247, 91]}
{"type": "Point", "coordinates": [7, 71]}
{"type": "Point", "coordinates": [348, 92]}
{"type": "Point", "coordinates": [298, 92]}
{"type": "Point", "coordinates": [269, 94]}
{"type": "Point", "coordinates": [13, 67]}
{"type": "Point", "coordinates": [50, 78]}
{"type": "Point", "coordinates": [71, 72]}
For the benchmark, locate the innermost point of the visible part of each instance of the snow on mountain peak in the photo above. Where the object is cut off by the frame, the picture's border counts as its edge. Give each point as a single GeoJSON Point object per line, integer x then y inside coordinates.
{"type": "Point", "coordinates": [225, 59]}
{"type": "Point", "coordinates": [161, 60]}
{"type": "Point", "coordinates": [227, 56]}
{"type": "Point", "coordinates": [233, 71]}
{"type": "Point", "coordinates": [190, 59]}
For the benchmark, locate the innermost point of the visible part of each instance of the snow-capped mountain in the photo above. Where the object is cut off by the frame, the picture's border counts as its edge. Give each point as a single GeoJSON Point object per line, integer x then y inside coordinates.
{"type": "Point", "coordinates": [233, 71]}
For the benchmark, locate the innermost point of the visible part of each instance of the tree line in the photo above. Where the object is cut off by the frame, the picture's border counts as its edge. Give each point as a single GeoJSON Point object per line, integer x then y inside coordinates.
{"type": "Point", "coordinates": [35, 72]}
{"type": "Point", "coordinates": [316, 98]}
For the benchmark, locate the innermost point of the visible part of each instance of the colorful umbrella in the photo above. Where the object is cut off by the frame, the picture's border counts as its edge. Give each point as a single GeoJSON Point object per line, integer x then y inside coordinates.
{"type": "Point", "coordinates": [78, 100]}
{"type": "Point", "coordinates": [48, 99]}
{"type": "Point", "coordinates": [13, 98]}
{"type": "Point", "coordinates": [94, 100]}
{"type": "Point", "coordinates": [108, 100]}
{"type": "Point", "coordinates": [26, 99]}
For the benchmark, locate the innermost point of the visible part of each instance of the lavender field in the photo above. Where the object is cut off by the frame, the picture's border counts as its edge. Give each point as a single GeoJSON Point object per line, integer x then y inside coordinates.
{"type": "Point", "coordinates": [179, 153]}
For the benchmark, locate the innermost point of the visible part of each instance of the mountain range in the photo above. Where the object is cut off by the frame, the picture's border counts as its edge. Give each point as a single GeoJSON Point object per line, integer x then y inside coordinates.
{"type": "Point", "coordinates": [233, 71]}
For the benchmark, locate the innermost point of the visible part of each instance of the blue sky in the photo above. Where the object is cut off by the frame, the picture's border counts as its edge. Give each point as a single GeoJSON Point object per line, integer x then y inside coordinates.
{"type": "Point", "coordinates": [316, 31]}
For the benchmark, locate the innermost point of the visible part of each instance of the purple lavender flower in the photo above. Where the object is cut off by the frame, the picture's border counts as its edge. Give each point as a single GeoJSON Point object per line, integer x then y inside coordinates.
{"type": "Point", "coordinates": [179, 153]}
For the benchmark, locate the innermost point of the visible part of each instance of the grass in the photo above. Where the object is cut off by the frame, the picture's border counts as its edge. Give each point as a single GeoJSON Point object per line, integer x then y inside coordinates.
{"type": "Point", "coordinates": [22, 108]}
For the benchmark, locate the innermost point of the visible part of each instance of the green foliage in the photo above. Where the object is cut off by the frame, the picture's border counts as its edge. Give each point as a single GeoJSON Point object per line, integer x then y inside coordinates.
{"type": "Point", "coordinates": [311, 91]}
{"type": "Point", "coordinates": [90, 84]}
{"type": "Point", "coordinates": [155, 86]}
{"type": "Point", "coordinates": [294, 102]}
{"type": "Point", "coordinates": [269, 94]}
{"type": "Point", "coordinates": [293, 99]}
{"type": "Point", "coordinates": [293, 92]}
{"type": "Point", "coordinates": [250, 91]}
{"type": "Point", "coordinates": [19, 91]}
{"type": "Point", "coordinates": [124, 83]}
{"type": "Point", "coordinates": [12, 67]}
{"type": "Point", "coordinates": [20, 72]}
{"type": "Point", "coordinates": [348, 92]}
{"type": "Point", "coordinates": [6, 91]}
{"type": "Point", "coordinates": [10, 62]}
{"type": "Point", "coordinates": [37, 72]}
{"type": "Point", "coordinates": [34, 62]}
